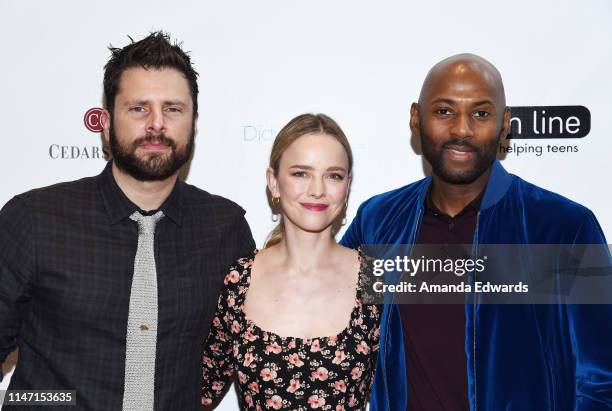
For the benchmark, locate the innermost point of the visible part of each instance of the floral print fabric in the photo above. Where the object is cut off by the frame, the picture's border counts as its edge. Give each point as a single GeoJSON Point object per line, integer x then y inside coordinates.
{"type": "Point", "coordinates": [274, 372]}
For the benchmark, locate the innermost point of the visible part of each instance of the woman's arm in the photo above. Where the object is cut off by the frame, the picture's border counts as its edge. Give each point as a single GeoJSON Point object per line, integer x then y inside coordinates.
{"type": "Point", "coordinates": [218, 359]}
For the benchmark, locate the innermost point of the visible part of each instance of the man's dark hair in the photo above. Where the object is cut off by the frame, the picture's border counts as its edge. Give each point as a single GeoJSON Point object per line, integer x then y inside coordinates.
{"type": "Point", "coordinates": [153, 52]}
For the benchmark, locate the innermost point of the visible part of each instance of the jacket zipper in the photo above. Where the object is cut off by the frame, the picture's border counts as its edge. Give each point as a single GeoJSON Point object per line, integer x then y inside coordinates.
{"type": "Point", "coordinates": [417, 226]}
{"type": "Point", "coordinates": [474, 255]}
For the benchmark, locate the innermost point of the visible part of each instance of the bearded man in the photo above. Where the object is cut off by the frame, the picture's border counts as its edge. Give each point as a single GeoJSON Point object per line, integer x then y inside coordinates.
{"type": "Point", "coordinates": [108, 284]}
{"type": "Point", "coordinates": [474, 356]}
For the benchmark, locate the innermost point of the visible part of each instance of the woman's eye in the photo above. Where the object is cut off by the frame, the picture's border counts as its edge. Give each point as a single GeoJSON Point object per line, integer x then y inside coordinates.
{"type": "Point", "coordinates": [336, 176]}
{"type": "Point", "coordinates": [299, 174]}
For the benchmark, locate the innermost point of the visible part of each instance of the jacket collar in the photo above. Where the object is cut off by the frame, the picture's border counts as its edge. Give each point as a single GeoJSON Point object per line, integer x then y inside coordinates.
{"type": "Point", "coordinates": [497, 186]}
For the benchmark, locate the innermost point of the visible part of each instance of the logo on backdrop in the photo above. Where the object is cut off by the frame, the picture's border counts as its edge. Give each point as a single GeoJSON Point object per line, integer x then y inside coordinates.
{"type": "Point", "coordinates": [536, 124]}
{"type": "Point", "coordinates": [93, 150]}
{"type": "Point", "coordinates": [266, 134]}
{"type": "Point", "coordinates": [550, 122]}
{"type": "Point", "coordinates": [258, 133]}
{"type": "Point", "coordinates": [92, 120]}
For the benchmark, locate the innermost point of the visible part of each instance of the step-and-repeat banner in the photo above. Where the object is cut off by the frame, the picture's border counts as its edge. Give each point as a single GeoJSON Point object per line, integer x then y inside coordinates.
{"type": "Point", "coordinates": [261, 63]}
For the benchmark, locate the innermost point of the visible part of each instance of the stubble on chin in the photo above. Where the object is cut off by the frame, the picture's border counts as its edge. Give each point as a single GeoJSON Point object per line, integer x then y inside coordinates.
{"type": "Point", "coordinates": [435, 156]}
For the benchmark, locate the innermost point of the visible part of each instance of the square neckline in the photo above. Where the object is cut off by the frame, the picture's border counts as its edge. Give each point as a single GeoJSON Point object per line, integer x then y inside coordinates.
{"type": "Point", "coordinates": [357, 306]}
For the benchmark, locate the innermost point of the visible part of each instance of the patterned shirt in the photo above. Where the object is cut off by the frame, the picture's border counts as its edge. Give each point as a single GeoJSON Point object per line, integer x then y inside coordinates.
{"type": "Point", "coordinates": [274, 372]}
{"type": "Point", "coordinates": [66, 270]}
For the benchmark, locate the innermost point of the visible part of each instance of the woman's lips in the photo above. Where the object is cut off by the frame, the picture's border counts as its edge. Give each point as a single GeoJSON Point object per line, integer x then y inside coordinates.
{"type": "Point", "coordinates": [314, 206]}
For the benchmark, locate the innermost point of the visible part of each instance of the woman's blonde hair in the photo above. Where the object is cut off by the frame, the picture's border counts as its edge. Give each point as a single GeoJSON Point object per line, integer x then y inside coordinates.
{"type": "Point", "coordinates": [296, 128]}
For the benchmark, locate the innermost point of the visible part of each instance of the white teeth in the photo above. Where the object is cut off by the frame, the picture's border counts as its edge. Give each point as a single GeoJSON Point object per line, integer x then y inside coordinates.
{"type": "Point", "coordinates": [459, 154]}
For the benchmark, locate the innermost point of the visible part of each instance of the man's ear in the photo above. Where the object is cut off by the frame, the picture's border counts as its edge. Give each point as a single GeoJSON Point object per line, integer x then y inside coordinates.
{"type": "Point", "coordinates": [105, 119]}
{"type": "Point", "coordinates": [505, 130]}
{"type": "Point", "coordinates": [414, 119]}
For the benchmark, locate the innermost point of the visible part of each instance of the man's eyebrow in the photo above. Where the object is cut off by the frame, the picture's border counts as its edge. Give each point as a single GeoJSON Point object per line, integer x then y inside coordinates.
{"type": "Point", "coordinates": [135, 102]}
{"type": "Point", "coordinates": [484, 103]}
{"type": "Point", "coordinates": [443, 100]}
{"type": "Point", "coordinates": [451, 101]}
{"type": "Point", "coordinates": [175, 102]}
{"type": "Point", "coordinates": [143, 102]}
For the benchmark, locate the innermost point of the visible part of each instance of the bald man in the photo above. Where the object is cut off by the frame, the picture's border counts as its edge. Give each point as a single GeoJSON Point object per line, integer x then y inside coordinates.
{"type": "Point", "coordinates": [474, 356]}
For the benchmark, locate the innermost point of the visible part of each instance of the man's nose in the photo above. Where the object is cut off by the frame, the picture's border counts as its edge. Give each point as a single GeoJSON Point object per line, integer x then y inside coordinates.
{"type": "Point", "coordinates": [156, 123]}
{"type": "Point", "coordinates": [462, 127]}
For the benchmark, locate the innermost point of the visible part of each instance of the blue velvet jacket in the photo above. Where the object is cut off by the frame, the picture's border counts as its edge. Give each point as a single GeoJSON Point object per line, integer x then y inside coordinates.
{"type": "Point", "coordinates": [519, 357]}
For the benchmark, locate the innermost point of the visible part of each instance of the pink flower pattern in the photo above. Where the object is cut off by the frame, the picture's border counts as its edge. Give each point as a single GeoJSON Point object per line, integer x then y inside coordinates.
{"type": "Point", "coordinates": [325, 373]}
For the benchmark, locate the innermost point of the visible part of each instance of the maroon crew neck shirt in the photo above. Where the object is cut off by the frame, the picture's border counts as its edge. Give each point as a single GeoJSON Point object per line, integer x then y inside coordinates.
{"type": "Point", "coordinates": [434, 334]}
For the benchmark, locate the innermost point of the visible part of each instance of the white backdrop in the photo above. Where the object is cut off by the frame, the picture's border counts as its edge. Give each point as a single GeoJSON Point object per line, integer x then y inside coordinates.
{"type": "Point", "coordinates": [261, 63]}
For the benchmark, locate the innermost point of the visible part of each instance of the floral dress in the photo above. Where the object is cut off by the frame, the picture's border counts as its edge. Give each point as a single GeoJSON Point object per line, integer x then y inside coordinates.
{"type": "Point", "coordinates": [274, 372]}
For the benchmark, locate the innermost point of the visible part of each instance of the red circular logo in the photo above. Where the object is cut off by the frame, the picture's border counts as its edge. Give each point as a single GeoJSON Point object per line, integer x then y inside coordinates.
{"type": "Point", "coordinates": [92, 119]}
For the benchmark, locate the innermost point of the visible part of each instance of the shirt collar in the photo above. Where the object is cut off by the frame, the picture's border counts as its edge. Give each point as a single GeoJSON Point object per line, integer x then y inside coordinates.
{"type": "Point", "coordinates": [118, 206]}
{"type": "Point", "coordinates": [473, 206]}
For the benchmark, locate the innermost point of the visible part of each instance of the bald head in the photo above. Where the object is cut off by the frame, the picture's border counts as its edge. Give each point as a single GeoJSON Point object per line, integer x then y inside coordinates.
{"type": "Point", "coordinates": [460, 118]}
{"type": "Point", "coordinates": [461, 73]}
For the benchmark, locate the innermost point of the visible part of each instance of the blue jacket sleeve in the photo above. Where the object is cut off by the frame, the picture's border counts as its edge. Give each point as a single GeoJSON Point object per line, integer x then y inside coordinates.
{"type": "Point", "coordinates": [589, 326]}
{"type": "Point", "coordinates": [16, 269]}
{"type": "Point", "coordinates": [353, 237]}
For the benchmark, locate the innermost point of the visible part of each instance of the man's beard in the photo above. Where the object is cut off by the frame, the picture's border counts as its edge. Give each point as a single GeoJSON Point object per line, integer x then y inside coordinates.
{"type": "Point", "coordinates": [484, 157]}
{"type": "Point", "coordinates": [153, 166]}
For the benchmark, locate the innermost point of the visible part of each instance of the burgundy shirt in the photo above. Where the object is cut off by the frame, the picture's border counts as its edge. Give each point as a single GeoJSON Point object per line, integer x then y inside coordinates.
{"type": "Point", "coordinates": [434, 334]}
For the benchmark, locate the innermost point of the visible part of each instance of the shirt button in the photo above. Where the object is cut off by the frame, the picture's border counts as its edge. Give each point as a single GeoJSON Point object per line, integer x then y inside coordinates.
{"type": "Point", "coordinates": [144, 327]}
{"type": "Point", "coordinates": [451, 225]}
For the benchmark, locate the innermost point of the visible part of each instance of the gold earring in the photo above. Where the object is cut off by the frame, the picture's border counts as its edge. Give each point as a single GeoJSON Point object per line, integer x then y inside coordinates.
{"type": "Point", "coordinates": [275, 201]}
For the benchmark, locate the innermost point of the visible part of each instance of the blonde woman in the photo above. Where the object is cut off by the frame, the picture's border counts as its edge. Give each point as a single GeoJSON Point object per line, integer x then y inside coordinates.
{"type": "Point", "coordinates": [291, 321]}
